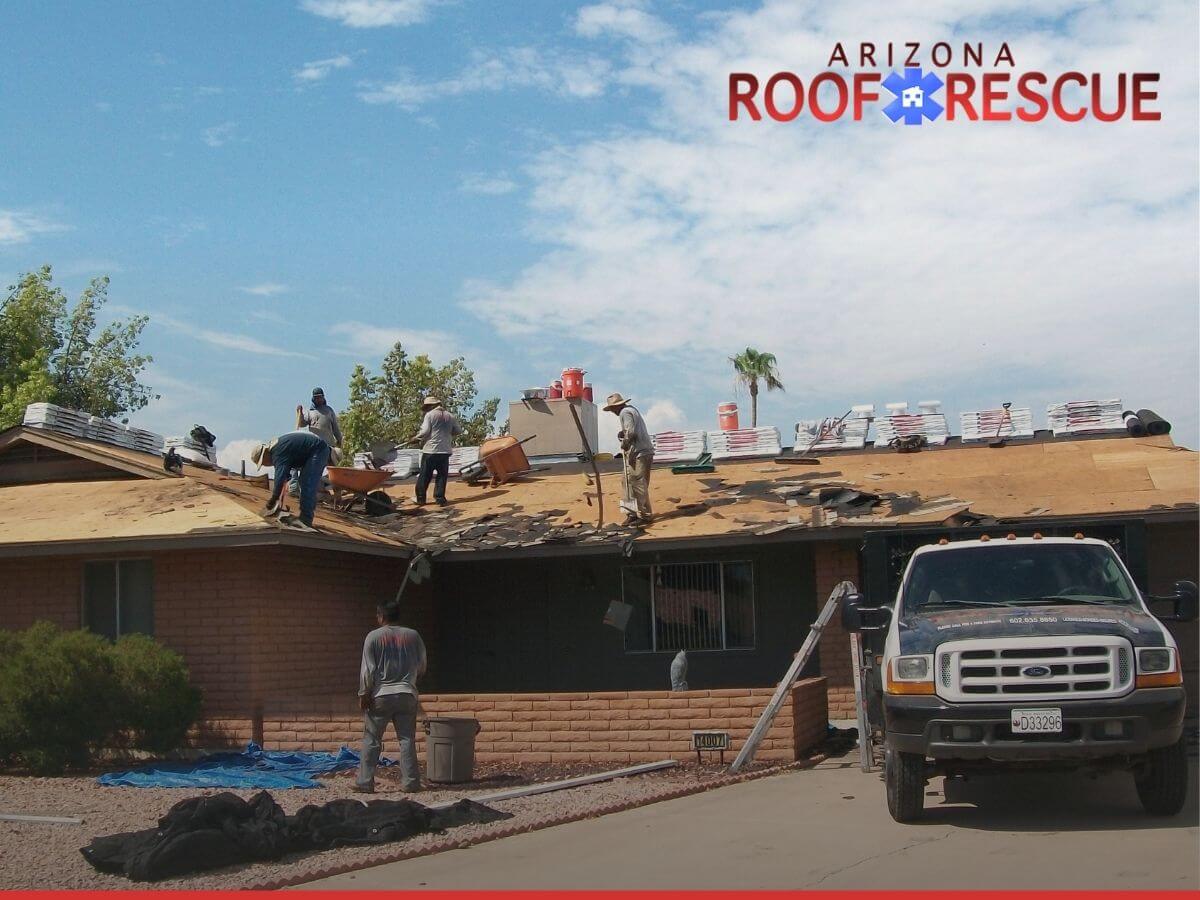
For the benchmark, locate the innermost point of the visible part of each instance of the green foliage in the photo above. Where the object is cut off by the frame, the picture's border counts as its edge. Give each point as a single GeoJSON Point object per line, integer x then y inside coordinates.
{"type": "Point", "coordinates": [387, 406]}
{"type": "Point", "coordinates": [50, 352]}
{"type": "Point", "coordinates": [66, 694]}
{"type": "Point", "coordinates": [751, 367]}
{"type": "Point", "coordinates": [157, 702]}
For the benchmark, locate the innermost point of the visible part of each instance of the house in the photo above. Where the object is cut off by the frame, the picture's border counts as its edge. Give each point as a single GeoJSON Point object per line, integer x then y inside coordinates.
{"type": "Point", "coordinates": [734, 569]}
{"type": "Point", "coordinates": [912, 96]}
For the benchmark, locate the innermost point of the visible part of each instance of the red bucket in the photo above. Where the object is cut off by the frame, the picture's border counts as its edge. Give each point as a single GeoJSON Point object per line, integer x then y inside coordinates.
{"type": "Point", "coordinates": [727, 415]}
{"type": "Point", "coordinates": [556, 390]}
{"type": "Point", "coordinates": [587, 391]}
{"type": "Point", "coordinates": [572, 384]}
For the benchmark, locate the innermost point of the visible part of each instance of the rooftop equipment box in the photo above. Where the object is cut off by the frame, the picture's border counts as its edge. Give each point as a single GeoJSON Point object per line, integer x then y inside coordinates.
{"type": "Point", "coordinates": [551, 421]}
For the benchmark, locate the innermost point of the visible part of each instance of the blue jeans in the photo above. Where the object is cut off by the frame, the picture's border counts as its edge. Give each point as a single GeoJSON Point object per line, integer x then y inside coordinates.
{"type": "Point", "coordinates": [310, 468]}
{"type": "Point", "coordinates": [432, 463]}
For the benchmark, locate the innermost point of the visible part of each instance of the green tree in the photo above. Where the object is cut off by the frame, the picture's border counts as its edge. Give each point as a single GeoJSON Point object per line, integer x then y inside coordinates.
{"type": "Point", "coordinates": [752, 367]}
{"type": "Point", "coordinates": [52, 352]}
{"type": "Point", "coordinates": [387, 406]}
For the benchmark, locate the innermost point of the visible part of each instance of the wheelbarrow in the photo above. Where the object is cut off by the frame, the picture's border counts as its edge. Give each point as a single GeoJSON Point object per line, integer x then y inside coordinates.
{"type": "Point", "coordinates": [503, 458]}
{"type": "Point", "coordinates": [359, 483]}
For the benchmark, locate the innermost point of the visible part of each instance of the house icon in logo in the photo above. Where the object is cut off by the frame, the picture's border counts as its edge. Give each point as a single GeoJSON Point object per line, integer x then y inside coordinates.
{"type": "Point", "coordinates": [912, 96]}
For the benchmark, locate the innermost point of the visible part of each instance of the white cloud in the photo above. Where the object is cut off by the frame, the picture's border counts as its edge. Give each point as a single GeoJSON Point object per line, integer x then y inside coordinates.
{"type": "Point", "coordinates": [103, 106]}
{"type": "Point", "coordinates": [220, 135]}
{"type": "Point", "coordinates": [627, 19]}
{"type": "Point", "coordinates": [1026, 261]}
{"type": "Point", "coordinates": [369, 343]}
{"type": "Point", "coordinates": [225, 339]}
{"type": "Point", "coordinates": [20, 226]}
{"type": "Point", "coordinates": [175, 233]}
{"type": "Point", "coordinates": [664, 415]}
{"type": "Point", "coordinates": [237, 451]}
{"type": "Point", "coordinates": [563, 74]}
{"type": "Point", "coordinates": [370, 13]}
{"type": "Point", "coordinates": [319, 69]}
{"type": "Point", "coordinates": [266, 289]}
{"type": "Point", "coordinates": [493, 185]}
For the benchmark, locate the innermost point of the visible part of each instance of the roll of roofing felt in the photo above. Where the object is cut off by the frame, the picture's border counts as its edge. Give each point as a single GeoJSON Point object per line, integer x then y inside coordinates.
{"type": "Point", "coordinates": [1155, 424]}
{"type": "Point", "coordinates": [1133, 424]}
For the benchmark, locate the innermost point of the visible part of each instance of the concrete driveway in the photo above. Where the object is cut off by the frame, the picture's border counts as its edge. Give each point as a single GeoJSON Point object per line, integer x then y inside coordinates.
{"type": "Point", "coordinates": [829, 828]}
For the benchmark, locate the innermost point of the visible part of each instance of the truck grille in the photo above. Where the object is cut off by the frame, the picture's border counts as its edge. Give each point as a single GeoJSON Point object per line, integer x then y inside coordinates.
{"type": "Point", "coordinates": [1054, 668]}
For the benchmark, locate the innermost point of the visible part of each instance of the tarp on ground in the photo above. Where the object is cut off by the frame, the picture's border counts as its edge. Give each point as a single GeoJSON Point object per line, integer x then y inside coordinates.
{"type": "Point", "coordinates": [252, 768]}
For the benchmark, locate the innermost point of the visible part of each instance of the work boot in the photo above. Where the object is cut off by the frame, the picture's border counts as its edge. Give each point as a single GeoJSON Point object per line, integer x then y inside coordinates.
{"type": "Point", "coordinates": [364, 788]}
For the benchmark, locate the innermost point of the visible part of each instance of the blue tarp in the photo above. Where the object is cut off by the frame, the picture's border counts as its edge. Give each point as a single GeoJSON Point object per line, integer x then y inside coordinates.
{"type": "Point", "coordinates": [253, 768]}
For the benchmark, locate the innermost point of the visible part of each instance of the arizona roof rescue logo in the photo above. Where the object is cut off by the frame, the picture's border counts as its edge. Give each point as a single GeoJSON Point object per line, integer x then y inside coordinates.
{"type": "Point", "coordinates": [946, 89]}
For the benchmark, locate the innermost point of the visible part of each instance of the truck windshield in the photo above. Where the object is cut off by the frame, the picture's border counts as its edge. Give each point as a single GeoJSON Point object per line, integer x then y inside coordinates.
{"type": "Point", "coordinates": [1016, 575]}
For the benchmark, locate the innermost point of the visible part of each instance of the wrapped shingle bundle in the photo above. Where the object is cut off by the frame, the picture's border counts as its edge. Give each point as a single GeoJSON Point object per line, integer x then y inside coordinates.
{"type": "Point", "coordinates": [679, 446]}
{"type": "Point", "coordinates": [192, 450]}
{"type": "Point", "coordinates": [1085, 416]}
{"type": "Point", "coordinates": [461, 456]}
{"type": "Point", "coordinates": [982, 424]}
{"type": "Point", "coordinates": [851, 434]}
{"type": "Point", "coordinates": [56, 418]}
{"type": "Point", "coordinates": [932, 426]}
{"type": "Point", "coordinates": [763, 441]}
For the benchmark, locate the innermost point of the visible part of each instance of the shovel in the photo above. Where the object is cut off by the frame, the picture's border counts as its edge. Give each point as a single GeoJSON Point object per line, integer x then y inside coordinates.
{"type": "Point", "coordinates": [628, 506]}
{"type": "Point", "coordinates": [998, 441]}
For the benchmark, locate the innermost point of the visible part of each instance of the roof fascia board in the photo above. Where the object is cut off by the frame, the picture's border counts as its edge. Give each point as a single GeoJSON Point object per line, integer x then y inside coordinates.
{"type": "Point", "coordinates": [48, 439]}
{"type": "Point", "coordinates": [227, 539]}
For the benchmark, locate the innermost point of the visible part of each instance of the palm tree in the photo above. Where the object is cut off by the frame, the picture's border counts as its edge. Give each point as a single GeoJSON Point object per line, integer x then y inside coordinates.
{"type": "Point", "coordinates": [751, 367]}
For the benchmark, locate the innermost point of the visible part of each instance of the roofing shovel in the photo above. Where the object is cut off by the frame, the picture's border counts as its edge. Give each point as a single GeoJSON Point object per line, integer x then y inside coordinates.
{"type": "Point", "coordinates": [628, 506]}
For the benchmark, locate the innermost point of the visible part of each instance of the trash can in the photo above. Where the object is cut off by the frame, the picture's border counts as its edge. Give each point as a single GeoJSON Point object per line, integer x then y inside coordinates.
{"type": "Point", "coordinates": [450, 748]}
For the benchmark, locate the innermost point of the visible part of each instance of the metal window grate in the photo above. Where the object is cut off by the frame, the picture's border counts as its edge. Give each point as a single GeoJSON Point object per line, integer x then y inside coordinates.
{"type": "Point", "coordinates": [690, 606]}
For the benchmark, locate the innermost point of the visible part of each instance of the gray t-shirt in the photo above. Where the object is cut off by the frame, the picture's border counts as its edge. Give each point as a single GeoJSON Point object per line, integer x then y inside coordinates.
{"type": "Point", "coordinates": [393, 658]}
{"type": "Point", "coordinates": [637, 438]}
{"type": "Point", "coordinates": [323, 422]}
{"type": "Point", "coordinates": [438, 431]}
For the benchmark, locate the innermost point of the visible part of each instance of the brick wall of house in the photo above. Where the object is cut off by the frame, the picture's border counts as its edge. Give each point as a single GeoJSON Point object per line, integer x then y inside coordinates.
{"type": "Point", "coordinates": [40, 588]}
{"type": "Point", "coordinates": [608, 727]}
{"type": "Point", "coordinates": [836, 562]}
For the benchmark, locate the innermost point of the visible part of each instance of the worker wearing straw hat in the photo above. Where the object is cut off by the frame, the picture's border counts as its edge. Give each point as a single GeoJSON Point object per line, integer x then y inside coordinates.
{"type": "Point", "coordinates": [438, 430]}
{"type": "Point", "coordinates": [639, 453]}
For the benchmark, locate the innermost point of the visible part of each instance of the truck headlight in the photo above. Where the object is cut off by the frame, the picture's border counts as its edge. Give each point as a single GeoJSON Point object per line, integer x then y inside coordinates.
{"type": "Point", "coordinates": [910, 675]}
{"type": "Point", "coordinates": [1157, 667]}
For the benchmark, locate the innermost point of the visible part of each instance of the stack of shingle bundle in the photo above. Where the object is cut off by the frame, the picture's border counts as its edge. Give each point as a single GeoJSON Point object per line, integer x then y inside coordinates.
{"type": "Point", "coordinates": [1085, 416]}
{"type": "Point", "coordinates": [462, 456]}
{"type": "Point", "coordinates": [678, 446]}
{"type": "Point", "coordinates": [56, 418]}
{"type": "Point", "coordinates": [982, 424]}
{"type": "Point", "coordinates": [402, 463]}
{"type": "Point", "coordinates": [851, 434]}
{"type": "Point", "coordinates": [192, 450]}
{"type": "Point", "coordinates": [745, 442]}
{"type": "Point", "coordinates": [143, 440]}
{"type": "Point", "coordinates": [932, 426]}
{"type": "Point", "coordinates": [106, 432]}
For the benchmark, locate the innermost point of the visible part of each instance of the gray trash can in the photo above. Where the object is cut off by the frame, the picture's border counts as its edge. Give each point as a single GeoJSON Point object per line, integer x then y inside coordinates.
{"type": "Point", "coordinates": [450, 748]}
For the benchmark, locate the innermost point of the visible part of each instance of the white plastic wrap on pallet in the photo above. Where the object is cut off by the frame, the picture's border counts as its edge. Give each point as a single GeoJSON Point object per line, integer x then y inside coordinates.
{"type": "Point", "coordinates": [982, 424]}
{"type": "Point", "coordinates": [462, 456]}
{"type": "Point", "coordinates": [850, 435]}
{"type": "Point", "coordinates": [56, 418]}
{"type": "Point", "coordinates": [932, 426]}
{"type": "Point", "coordinates": [763, 441]}
{"type": "Point", "coordinates": [679, 446]}
{"type": "Point", "coordinates": [1085, 416]}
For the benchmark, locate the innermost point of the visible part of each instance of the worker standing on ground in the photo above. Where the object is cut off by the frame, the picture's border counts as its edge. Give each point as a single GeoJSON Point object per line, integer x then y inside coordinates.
{"type": "Point", "coordinates": [639, 453]}
{"type": "Point", "coordinates": [392, 661]}
{"type": "Point", "coordinates": [322, 421]}
{"type": "Point", "coordinates": [438, 430]}
{"type": "Point", "coordinates": [296, 451]}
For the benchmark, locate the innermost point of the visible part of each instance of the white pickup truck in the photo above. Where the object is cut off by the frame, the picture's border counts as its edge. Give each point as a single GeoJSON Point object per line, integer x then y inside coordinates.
{"type": "Point", "coordinates": [1003, 654]}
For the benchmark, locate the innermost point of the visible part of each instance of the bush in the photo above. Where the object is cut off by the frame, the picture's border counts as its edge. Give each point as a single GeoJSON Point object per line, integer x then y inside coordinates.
{"type": "Point", "coordinates": [158, 703]}
{"type": "Point", "coordinates": [64, 695]}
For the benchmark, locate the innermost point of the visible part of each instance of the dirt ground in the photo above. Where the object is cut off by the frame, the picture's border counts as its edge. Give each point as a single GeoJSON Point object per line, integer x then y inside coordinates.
{"type": "Point", "coordinates": [47, 856]}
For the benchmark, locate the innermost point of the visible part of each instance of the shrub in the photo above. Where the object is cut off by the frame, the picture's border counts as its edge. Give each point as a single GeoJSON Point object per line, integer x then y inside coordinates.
{"type": "Point", "coordinates": [66, 694]}
{"type": "Point", "coordinates": [158, 703]}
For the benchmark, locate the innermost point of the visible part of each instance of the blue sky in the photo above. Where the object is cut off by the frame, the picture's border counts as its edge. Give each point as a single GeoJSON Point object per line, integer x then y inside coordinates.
{"type": "Point", "coordinates": [287, 188]}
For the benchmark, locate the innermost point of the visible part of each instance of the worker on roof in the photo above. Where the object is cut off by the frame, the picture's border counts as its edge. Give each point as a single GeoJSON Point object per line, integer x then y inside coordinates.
{"type": "Point", "coordinates": [436, 437]}
{"type": "Point", "coordinates": [393, 659]}
{"type": "Point", "coordinates": [300, 451]}
{"type": "Point", "coordinates": [322, 421]}
{"type": "Point", "coordinates": [639, 454]}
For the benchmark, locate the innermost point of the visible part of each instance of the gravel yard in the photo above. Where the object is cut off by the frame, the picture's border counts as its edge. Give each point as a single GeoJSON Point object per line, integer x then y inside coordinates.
{"type": "Point", "coordinates": [37, 856]}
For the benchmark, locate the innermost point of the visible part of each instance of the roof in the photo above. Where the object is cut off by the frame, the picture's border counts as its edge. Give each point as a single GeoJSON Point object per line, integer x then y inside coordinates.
{"type": "Point", "coordinates": [1021, 482]}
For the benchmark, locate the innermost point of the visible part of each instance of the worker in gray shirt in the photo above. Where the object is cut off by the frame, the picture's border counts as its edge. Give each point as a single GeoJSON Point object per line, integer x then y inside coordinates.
{"type": "Point", "coordinates": [639, 453]}
{"type": "Point", "coordinates": [392, 661]}
{"type": "Point", "coordinates": [438, 430]}
{"type": "Point", "coordinates": [322, 421]}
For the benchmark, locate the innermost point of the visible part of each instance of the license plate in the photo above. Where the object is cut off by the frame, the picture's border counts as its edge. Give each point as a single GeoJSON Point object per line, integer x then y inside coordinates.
{"type": "Point", "coordinates": [1037, 721]}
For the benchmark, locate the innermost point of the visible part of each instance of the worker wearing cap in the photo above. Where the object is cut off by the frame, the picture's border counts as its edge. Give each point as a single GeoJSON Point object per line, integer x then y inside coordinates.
{"type": "Point", "coordinates": [301, 451]}
{"type": "Point", "coordinates": [639, 453]}
{"type": "Point", "coordinates": [322, 421]}
{"type": "Point", "coordinates": [436, 437]}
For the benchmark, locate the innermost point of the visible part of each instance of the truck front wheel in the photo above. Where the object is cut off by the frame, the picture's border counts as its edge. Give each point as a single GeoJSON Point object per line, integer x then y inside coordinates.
{"type": "Point", "coordinates": [1162, 786]}
{"type": "Point", "coordinates": [905, 777]}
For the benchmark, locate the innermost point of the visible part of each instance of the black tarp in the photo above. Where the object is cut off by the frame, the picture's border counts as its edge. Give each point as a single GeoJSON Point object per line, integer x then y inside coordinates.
{"type": "Point", "coordinates": [223, 829]}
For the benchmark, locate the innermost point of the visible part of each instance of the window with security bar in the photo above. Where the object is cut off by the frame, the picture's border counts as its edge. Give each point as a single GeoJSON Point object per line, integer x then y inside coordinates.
{"type": "Point", "coordinates": [689, 606]}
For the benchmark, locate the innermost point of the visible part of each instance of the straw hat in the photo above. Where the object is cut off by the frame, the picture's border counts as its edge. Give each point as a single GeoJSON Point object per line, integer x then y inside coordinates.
{"type": "Point", "coordinates": [430, 401]}
{"type": "Point", "coordinates": [614, 402]}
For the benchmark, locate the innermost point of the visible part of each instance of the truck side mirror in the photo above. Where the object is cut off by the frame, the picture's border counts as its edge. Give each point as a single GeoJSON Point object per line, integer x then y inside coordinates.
{"type": "Point", "coordinates": [852, 618]}
{"type": "Point", "coordinates": [1186, 603]}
